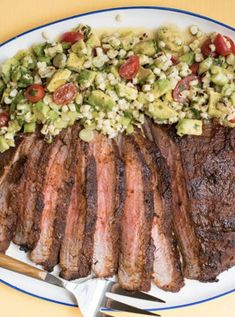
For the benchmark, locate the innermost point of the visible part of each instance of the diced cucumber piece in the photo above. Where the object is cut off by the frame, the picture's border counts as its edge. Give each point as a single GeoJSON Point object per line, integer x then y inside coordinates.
{"type": "Point", "coordinates": [86, 135]}
{"type": "Point", "coordinates": [41, 110]}
{"type": "Point", "coordinates": [39, 49]}
{"type": "Point", "coordinates": [219, 79]}
{"type": "Point", "coordinates": [189, 127]}
{"type": "Point", "coordinates": [29, 127]}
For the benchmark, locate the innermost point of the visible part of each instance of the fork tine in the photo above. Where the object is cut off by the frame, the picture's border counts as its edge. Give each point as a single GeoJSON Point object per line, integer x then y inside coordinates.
{"type": "Point", "coordinates": [116, 289]}
{"type": "Point", "coordinates": [117, 306]}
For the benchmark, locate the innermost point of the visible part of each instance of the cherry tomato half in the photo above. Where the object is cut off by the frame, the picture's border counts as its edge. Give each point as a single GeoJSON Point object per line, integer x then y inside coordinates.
{"type": "Point", "coordinates": [72, 37]}
{"type": "Point", "coordinates": [206, 50]}
{"type": "Point", "coordinates": [130, 68]}
{"type": "Point", "coordinates": [4, 118]}
{"type": "Point", "coordinates": [182, 85]}
{"type": "Point", "coordinates": [34, 93]}
{"type": "Point", "coordinates": [194, 68]}
{"type": "Point", "coordinates": [174, 59]}
{"type": "Point", "coordinates": [65, 94]}
{"type": "Point", "coordinates": [221, 45]}
{"type": "Point", "coordinates": [231, 43]}
{"type": "Point", "coordinates": [232, 120]}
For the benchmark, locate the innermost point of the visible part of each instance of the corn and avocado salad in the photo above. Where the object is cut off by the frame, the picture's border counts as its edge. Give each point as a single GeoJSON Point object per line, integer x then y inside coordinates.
{"type": "Point", "coordinates": [112, 81]}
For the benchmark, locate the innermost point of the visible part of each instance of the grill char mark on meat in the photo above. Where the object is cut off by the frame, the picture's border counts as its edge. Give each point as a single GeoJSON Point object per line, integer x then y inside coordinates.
{"type": "Point", "coordinates": [76, 218]}
{"type": "Point", "coordinates": [52, 201]}
{"type": "Point", "coordinates": [186, 237]}
{"type": "Point", "coordinates": [136, 258]}
{"type": "Point", "coordinates": [209, 168]}
{"type": "Point", "coordinates": [106, 237]}
{"type": "Point", "coordinates": [11, 169]}
{"type": "Point", "coordinates": [166, 266]}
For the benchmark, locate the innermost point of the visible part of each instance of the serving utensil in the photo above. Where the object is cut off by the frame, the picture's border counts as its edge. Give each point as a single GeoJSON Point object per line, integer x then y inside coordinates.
{"type": "Point", "coordinates": [95, 297]}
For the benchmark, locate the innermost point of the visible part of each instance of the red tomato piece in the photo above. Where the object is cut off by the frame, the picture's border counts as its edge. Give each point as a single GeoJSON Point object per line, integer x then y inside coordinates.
{"type": "Point", "coordinates": [194, 68]}
{"type": "Point", "coordinates": [130, 68]}
{"type": "Point", "coordinates": [72, 37]}
{"type": "Point", "coordinates": [4, 118]}
{"type": "Point", "coordinates": [231, 43]}
{"type": "Point", "coordinates": [221, 45]}
{"type": "Point", "coordinates": [174, 60]}
{"type": "Point", "coordinates": [34, 93]}
{"type": "Point", "coordinates": [183, 84]}
{"type": "Point", "coordinates": [206, 50]}
{"type": "Point", "coordinates": [65, 94]}
{"type": "Point", "coordinates": [232, 120]}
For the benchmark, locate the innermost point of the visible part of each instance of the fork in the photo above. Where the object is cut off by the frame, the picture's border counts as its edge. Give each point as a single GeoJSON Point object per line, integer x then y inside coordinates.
{"type": "Point", "coordinates": [95, 297]}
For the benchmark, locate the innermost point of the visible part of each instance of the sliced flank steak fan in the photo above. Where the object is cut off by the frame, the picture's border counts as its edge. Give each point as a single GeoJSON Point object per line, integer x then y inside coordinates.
{"type": "Point", "coordinates": [166, 266]}
{"type": "Point", "coordinates": [136, 257]}
{"type": "Point", "coordinates": [55, 185]}
{"type": "Point", "coordinates": [12, 167]}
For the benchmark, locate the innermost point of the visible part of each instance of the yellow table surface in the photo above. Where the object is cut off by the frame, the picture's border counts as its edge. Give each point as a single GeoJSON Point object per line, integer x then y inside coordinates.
{"type": "Point", "coordinates": [17, 16]}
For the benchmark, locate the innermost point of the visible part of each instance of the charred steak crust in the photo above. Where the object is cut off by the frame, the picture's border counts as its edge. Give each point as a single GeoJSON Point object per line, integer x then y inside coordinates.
{"type": "Point", "coordinates": [9, 180]}
{"type": "Point", "coordinates": [164, 136]}
{"type": "Point", "coordinates": [209, 167]}
{"type": "Point", "coordinates": [135, 264]}
{"type": "Point", "coordinates": [85, 259]}
{"type": "Point", "coordinates": [51, 196]}
{"type": "Point", "coordinates": [167, 267]}
{"type": "Point", "coordinates": [24, 196]}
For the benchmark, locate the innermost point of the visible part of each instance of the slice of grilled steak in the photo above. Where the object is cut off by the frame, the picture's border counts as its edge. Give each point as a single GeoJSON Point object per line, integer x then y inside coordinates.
{"type": "Point", "coordinates": [136, 258]}
{"type": "Point", "coordinates": [24, 196]}
{"type": "Point", "coordinates": [166, 266]}
{"type": "Point", "coordinates": [109, 206]}
{"type": "Point", "coordinates": [11, 169]}
{"type": "Point", "coordinates": [186, 236]}
{"type": "Point", "coordinates": [209, 169]}
{"type": "Point", "coordinates": [76, 219]}
{"type": "Point", "coordinates": [53, 195]}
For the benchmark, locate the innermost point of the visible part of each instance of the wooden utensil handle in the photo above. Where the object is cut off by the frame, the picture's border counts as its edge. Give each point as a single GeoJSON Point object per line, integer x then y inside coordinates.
{"type": "Point", "coordinates": [17, 266]}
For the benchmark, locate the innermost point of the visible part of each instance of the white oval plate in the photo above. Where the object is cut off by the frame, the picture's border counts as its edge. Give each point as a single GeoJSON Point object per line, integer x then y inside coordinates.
{"type": "Point", "coordinates": [146, 17]}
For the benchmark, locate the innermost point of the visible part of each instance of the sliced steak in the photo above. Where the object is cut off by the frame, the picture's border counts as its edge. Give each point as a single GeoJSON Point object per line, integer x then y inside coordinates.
{"type": "Point", "coordinates": [109, 206]}
{"type": "Point", "coordinates": [209, 169]}
{"type": "Point", "coordinates": [135, 264]}
{"type": "Point", "coordinates": [166, 266]}
{"type": "Point", "coordinates": [76, 219]}
{"type": "Point", "coordinates": [24, 196]}
{"type": "Point", "coordinates": [11, 169]}
{"type": "Point", "coordinates": [185, 232]}
{"type": "Point", "coordinates": [53, 195]}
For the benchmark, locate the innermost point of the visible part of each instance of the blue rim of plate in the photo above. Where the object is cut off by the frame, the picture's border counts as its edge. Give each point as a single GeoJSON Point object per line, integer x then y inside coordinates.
{"type": "Point", "coordinates": [109, 10]}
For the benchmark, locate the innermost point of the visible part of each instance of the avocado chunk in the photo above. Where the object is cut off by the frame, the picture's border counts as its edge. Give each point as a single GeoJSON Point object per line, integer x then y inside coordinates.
{"type": "Point", "coordinates": [59, 78]}
{"type": "Point", "coordinates": [3, 144]}
{"type": "Point", "coordinates": [172, 38]}
{"type": "Point", "coordinates": [212, 107]}
{"type": "Point", "coordinates": [99, 99]}
{"type": "Point", "coordinates": [79, 48]}
{"type": "Point", "coordinates": [161, 87]}
{"type": "Point", "coordinates": [6, 68]}
{"type": "Point", "coordinates": [187, 58]}
{"type": "Point", "coordinates": [232, 98]}
{"type": "Point", "coordinates": [75, 62]}
{"type": "Point", "coordinates": [93, 41]}
{"type": "Point", "coordinates": [127, 40]}
{"type": "Point", "coordinates": [144, 74]}
{"type": "Point", "coordinates": [86, 78]}
{"type": "Point", "coordinates": [127, 92]}
{"type": "Point", "coordinates": [147, 47]}
{"type": "Point", "coordinates": [189, 127]}
{"type": "Point", "coordinates": [219, 79]}
{"type": "Point", "coordinates": [160, 110]}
